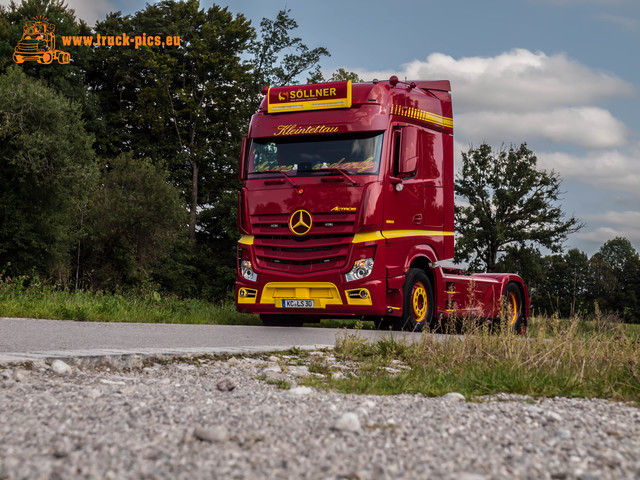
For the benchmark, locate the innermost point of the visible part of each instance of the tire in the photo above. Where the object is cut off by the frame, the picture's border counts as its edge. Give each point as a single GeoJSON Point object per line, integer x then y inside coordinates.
{"type": "Point", "coordinates": [281, 320]}
{"type": "Point", "coordinates": [418, 302]}
{"type": "Point", "coordinates": [513, 313]}
{"type": "Point", "coordinates": [46, 58]}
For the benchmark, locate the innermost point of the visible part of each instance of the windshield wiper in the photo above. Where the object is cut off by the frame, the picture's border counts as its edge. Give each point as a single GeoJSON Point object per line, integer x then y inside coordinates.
{"type": "Point", "coordinates": [340, 171]}
{"type": "Point", "coordinates": [293, 184]}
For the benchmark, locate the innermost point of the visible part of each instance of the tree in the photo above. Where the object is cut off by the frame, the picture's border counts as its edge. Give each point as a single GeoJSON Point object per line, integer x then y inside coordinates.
{"type": "Point", "coordinates": [47, 168]}
{"type": "Point", "coordinates": [271, 65]}
{"type": "Point", "coordinates": [615, 278]}
{"type": "Point", "coordinates": [134, 220]}
{"type": "Point", "coordinates": [179, 105]}
{"type": "Point", "coordinates": [525, 261]}
{"type": "Point", "coordinates": [340, 75]}
{"type": "Point", "coordinates": [66, 79]}
{"type": "Point", "coordinates": [509, 202]}
{"type": "Point", "coordinates": [563, 286]}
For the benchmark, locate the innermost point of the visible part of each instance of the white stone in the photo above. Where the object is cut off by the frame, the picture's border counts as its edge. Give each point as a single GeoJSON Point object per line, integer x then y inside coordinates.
{"type": "Point", "coordinates": [454, 397]}
{"type": "Point", "coordinates": [301, 391]}
{"type": "Point", "coordinates": [348, 422]}
{"type": "Point", "coordinates": [215, 434]}
{"type": "Point", "coordinates": [553, 416]}
{"type": "Point", "coordinates": [61, 368]}
{"type": "Point", "coordinates": [299, 371]}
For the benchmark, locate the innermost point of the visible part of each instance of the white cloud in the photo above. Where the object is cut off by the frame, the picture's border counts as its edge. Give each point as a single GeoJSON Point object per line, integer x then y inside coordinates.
{"type": "Point", "coordinates": [628, 24]}
{"type": "Point", "coordinates": [92, 11]}
{"type": "Point", "coordinates": [517, 80]}
{"type": "Point", "coordinates": [596, 238]}
{"type": "Point", "coordinates": [611, 169]}
{"type": "Point", "coordinates": [619, 219]}
{"type": "Point", "coordinates": [520, 96]}
{"type": "Point", "coordinates": [589, 127]}
{"type": "Point", "coordinates": [613, 224]}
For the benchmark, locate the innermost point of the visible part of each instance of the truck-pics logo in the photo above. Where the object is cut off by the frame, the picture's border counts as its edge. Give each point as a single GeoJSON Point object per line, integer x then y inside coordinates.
{"type": "Point", "coordinates": [38, 43]}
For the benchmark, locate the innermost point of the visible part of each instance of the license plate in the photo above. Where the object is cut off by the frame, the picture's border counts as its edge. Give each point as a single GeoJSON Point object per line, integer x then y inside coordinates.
{"type": "Point", "coordinates": [298, 304]}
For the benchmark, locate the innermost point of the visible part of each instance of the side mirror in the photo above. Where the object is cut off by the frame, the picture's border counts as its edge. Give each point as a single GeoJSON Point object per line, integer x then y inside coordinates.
{"type": "Point", "coordinates": [409, 152]}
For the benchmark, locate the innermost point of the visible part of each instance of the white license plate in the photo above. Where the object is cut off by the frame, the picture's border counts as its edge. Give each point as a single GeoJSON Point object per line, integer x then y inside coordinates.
{"type": "Point", "coordinates": [298, 304]}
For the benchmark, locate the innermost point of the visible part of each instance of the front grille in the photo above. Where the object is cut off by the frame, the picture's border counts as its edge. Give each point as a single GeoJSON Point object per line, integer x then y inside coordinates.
{"type": "Point", "coordinates": [325, 247]}
{"type": "Point", "coordinates": [28, 46]}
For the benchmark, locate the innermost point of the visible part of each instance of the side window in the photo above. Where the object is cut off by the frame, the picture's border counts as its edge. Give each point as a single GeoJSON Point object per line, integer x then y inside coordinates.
{"type": "Point", "coordinates": [406, 152]}
{"type": "Point", "coordinates": [396, 152]}
{"type": "Point", "coordinates": [430, 155]}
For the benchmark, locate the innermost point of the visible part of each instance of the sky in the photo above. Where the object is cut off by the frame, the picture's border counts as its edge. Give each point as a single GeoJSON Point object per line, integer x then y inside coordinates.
{"type": "Point", "coordinates": [561, 75]}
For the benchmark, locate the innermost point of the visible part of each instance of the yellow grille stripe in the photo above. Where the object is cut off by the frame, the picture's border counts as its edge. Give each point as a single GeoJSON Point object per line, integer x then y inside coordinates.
{"type": "Point", "coordinates": [423, 115]}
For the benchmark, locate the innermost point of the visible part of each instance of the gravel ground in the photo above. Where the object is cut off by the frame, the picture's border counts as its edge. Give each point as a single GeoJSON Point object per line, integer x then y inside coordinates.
{"type": "Point", "coordinates": [220, 419]}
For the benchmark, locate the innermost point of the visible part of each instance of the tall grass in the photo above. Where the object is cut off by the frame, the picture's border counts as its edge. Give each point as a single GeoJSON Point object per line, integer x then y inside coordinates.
{"type": "Point", "coordinates": [28, 296]}
{"type": "Point", "coordinates": [559, 357]}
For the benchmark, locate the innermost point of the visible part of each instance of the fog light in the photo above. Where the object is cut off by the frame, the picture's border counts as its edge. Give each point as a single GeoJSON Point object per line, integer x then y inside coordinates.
{"type": "Point", "coordinates": [247, 271]}
{"type": "Point", "coordinates": [361, 268]}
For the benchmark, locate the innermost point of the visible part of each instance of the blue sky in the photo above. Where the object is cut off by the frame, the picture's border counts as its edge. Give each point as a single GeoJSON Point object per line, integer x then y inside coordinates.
{"type": "Point", "coordinates": [561, 75]}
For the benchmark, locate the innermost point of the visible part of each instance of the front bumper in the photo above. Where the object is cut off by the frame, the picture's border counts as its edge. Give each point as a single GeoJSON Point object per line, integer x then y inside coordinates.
{"type": "Point", "coordinates": [321, 298]}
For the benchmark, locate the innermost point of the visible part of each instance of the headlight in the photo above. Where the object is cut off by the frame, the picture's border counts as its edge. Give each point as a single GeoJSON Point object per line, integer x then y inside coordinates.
{"type": "Point", "coordinates": [361, 269]}
{"type": "Point", "coordinates": [247, 271]}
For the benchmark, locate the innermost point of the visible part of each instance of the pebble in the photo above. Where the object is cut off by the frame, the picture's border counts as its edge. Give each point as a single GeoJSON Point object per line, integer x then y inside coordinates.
{"type": "Point", "coordinates": [454, 397]}
{"type": "Point", "coordinates": [215, 434]}
{"type": "Point", "coordinates": [173, 423]}
{"type": "Point", "coordinates": [348, 422]}
{"type": "Point", "coordinates": [226, 385]}
{"type": "Point", "coordinates": [60, 367]}
{"type": "Point", "coordinates": [301, 391]}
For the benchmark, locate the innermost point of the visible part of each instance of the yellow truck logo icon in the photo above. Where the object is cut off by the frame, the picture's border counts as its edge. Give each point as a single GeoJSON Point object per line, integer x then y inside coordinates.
{"type": "Point", "coordinates": [38, 43]}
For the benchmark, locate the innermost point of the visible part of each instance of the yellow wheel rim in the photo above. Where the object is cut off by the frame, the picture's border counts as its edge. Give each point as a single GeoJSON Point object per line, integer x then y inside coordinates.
{"type": "Point", "coordinates": [419, 302]}
{"type": "Point", "coordinates": [513, 305]}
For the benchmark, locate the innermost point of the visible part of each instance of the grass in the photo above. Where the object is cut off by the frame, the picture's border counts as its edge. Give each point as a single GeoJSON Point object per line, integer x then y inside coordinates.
{"type": "Point", "coordinates": [28, 297]}
{"type": "Point", "coordinates": [597, 358]}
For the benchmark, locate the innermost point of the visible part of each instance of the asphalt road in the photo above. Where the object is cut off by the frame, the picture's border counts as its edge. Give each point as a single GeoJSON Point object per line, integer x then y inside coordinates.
{"type": "Point", "coordinates": [28, 339]}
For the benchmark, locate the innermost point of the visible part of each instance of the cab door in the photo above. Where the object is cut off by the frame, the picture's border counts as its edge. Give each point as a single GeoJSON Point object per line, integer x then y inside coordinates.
{"type": "Point", "coordinates": [404, 185]}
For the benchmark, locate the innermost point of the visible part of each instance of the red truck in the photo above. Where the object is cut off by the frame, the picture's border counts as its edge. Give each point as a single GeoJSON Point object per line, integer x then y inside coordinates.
{"type": "Point", "coordinates": [347, 208]}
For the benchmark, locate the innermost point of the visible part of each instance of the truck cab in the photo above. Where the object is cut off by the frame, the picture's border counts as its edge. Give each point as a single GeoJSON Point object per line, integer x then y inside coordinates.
{"type": "Point", "coordinates": [347, 210]}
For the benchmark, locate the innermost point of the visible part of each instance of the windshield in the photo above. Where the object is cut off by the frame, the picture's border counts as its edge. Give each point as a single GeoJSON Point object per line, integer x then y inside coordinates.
{"type": "Point", "coordinates": [353, 155]}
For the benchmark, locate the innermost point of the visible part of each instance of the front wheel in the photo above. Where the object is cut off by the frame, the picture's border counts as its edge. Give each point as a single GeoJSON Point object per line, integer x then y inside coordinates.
{"type": "Point", "coordinates": [46, 58]}
{"type": "Point", "coordinates": [418, 303]}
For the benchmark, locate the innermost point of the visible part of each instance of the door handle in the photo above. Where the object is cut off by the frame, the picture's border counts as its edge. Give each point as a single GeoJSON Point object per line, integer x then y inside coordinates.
{"type": "Point", "coordinates": [417, 218]}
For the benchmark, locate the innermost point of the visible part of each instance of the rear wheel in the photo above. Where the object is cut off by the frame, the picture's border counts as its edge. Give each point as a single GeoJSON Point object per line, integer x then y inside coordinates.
{"type": "Point", "coordinates": [418, 303]}
{"type": "Point", "coordinates": [514, 308]}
